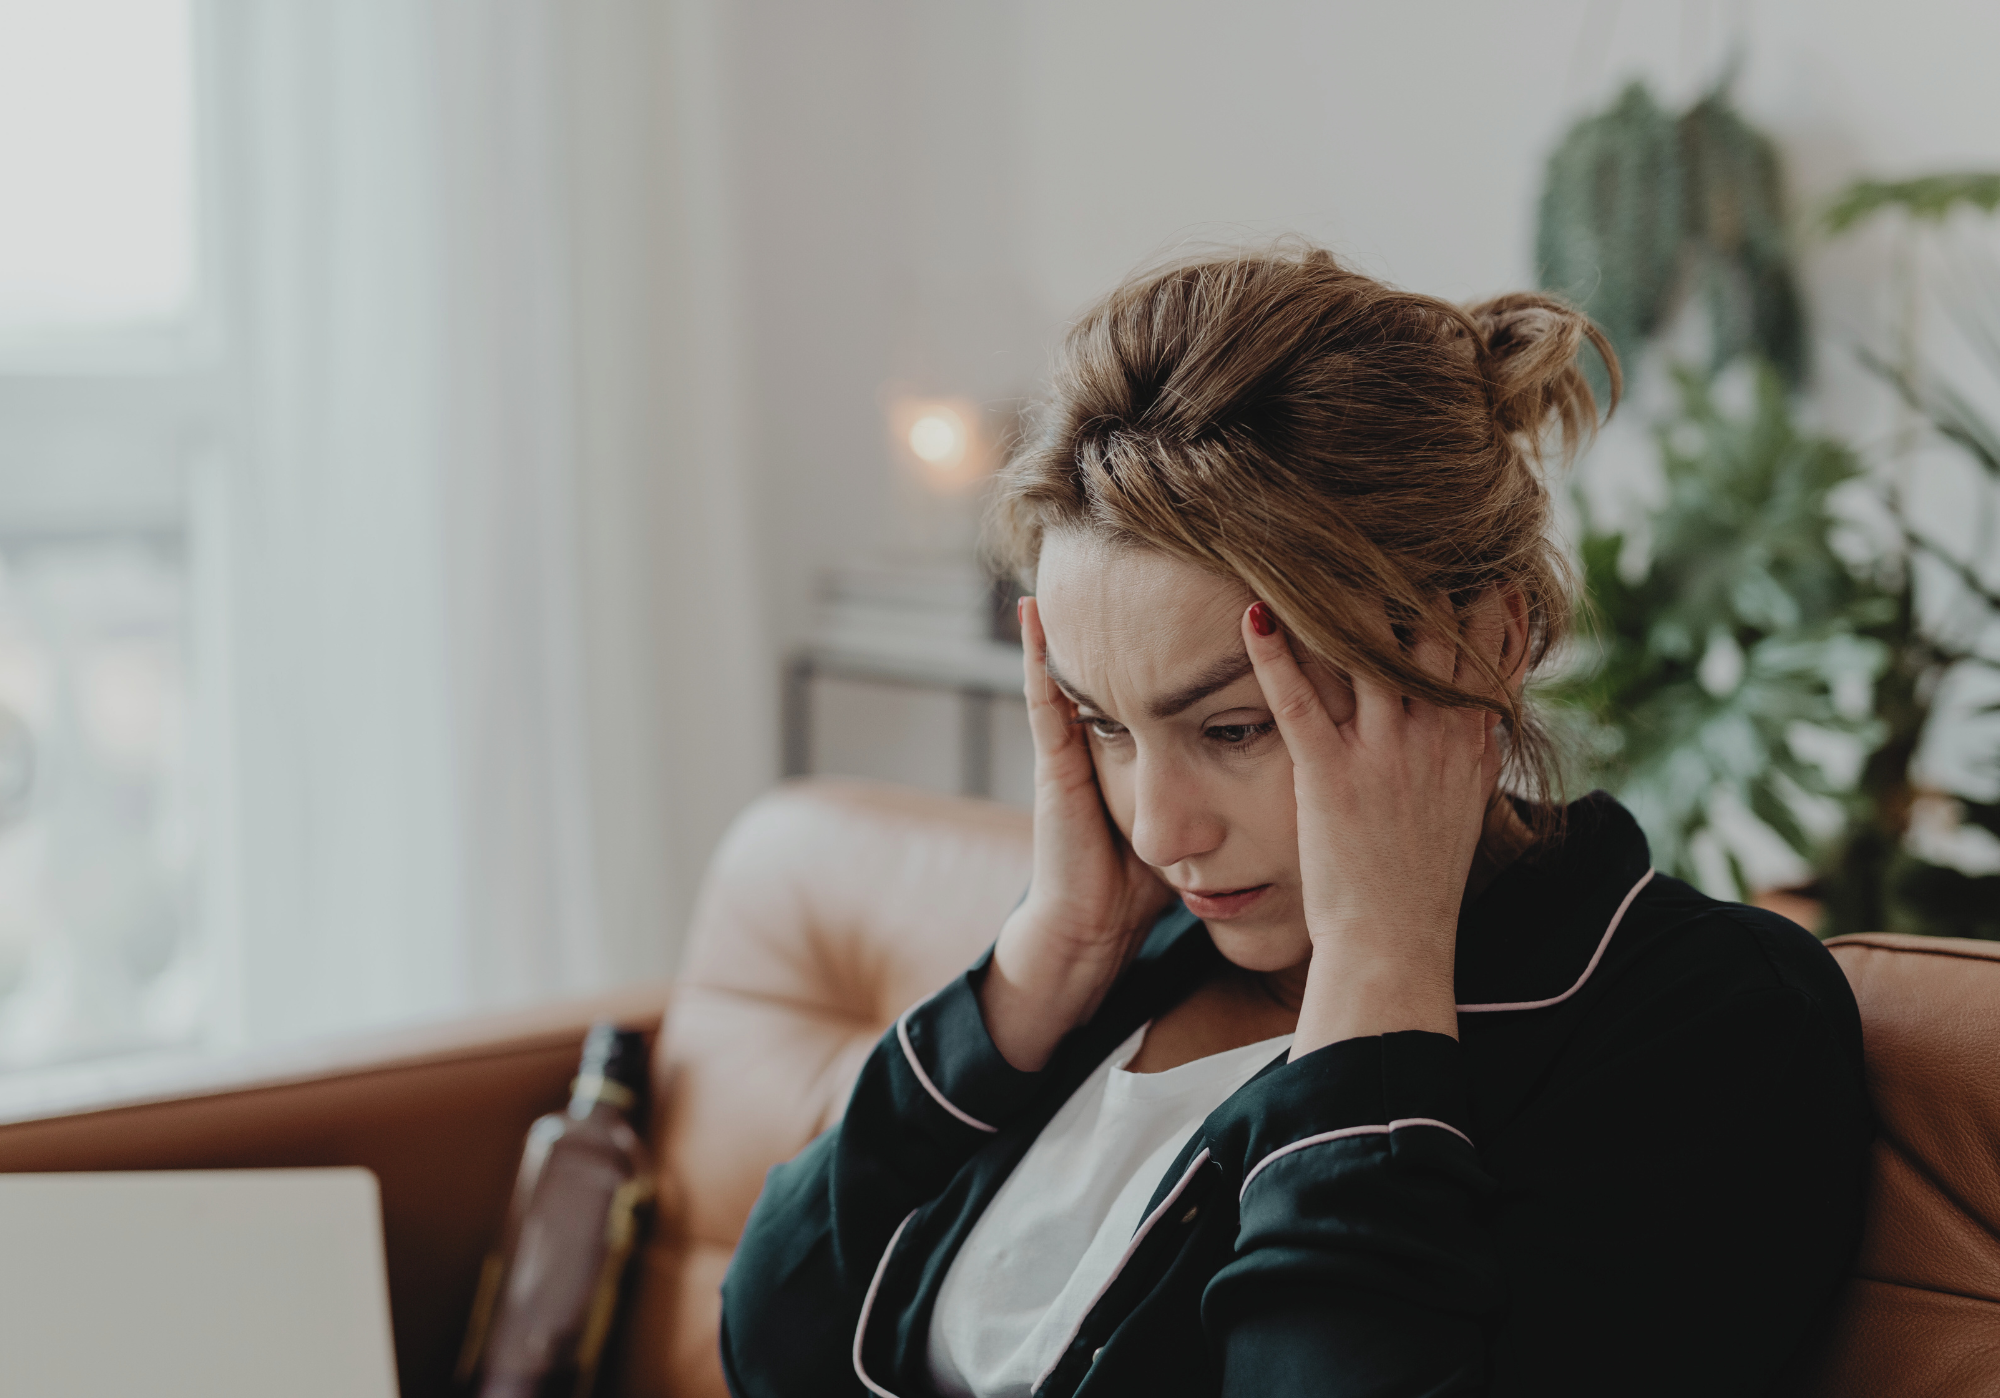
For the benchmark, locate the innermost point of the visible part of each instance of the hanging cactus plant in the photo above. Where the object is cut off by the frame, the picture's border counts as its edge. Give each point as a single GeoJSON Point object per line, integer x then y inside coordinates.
{"type": "Point", "coordinates": [1641, 210]}
{"type": "Point", "coordinates": [1611, 219]}
{"type": "Point", "coordinates": [1736, 233]}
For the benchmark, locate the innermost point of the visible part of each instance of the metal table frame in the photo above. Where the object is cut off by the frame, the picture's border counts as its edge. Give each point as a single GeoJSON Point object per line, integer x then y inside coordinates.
{"type": "Point", "coordinates": [976, 692]}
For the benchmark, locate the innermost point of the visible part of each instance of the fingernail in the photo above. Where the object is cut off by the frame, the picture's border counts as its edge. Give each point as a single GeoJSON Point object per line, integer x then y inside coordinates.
{"type": "Point", "coordinates": [1020, 610]}
{"type": "Point", "coordinates": [1262, 620]}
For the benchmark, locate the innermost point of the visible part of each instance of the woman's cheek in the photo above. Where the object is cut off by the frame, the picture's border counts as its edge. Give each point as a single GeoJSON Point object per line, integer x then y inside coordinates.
{"type": "Point", "coordinates": [1114, 780]}
{"type": "Point", "coordinates": [1271, 814]}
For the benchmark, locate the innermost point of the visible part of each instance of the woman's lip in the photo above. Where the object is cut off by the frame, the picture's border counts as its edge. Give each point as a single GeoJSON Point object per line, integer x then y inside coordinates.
{"type": "Point", "coordinates": [1224, 903]}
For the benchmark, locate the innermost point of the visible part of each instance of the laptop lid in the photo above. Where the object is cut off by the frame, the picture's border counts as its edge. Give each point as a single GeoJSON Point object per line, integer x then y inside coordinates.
{"type": "Point", "coordinates": [178, 1283]}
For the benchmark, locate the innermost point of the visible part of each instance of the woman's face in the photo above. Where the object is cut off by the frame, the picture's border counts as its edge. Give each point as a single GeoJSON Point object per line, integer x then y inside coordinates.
{"type": "Point", "coordinates": [1150, 650]}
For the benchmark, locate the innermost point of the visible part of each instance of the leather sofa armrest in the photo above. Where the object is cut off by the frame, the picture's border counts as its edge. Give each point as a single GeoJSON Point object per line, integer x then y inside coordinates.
{"type": "Point", "coordinates": [437, 1113]}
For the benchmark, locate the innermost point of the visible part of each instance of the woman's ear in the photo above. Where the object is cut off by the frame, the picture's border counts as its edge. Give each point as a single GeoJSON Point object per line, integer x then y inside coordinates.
{"type": "Point", "coordinates": [1496, 627]}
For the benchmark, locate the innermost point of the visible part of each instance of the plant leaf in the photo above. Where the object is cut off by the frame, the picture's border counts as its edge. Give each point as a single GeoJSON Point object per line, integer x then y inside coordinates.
{"type": "Point", "coordinates": [1928, 197]}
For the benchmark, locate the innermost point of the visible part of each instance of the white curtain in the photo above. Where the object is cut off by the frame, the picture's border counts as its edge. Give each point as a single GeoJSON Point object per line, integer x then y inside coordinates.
{"type": "Point", "coordinates": [479, 509]}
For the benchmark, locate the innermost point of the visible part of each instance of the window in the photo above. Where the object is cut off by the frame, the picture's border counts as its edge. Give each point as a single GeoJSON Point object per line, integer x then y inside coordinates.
{"type": "Point", "coordinates": [96, 833]}
{"type": "Point", "coordinates": [97, 241]}
{"type": "Point", "coordinates": [297, 668]}
{"type": "Point", "coordinates": [103, 405]}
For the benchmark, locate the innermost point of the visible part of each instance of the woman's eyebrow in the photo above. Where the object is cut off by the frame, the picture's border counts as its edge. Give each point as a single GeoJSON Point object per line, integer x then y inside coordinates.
{"type": "Point", "coordinates": [1076, 696]}
{"type": "Point", "coordinates": [1220, 675]}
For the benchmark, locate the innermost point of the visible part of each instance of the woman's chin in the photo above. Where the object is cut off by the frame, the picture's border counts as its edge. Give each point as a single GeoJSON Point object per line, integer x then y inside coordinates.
{"type": "Point", "coordinates": [1268, 944]}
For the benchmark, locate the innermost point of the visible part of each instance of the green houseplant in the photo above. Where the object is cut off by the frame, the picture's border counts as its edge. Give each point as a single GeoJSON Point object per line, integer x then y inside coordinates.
{"type": "Point", "coordinates": [1872, 878]}
{"type": "Point", "coordinates": [1744, 649]}
{"type": "Point", "coordinates": [1743, 630]}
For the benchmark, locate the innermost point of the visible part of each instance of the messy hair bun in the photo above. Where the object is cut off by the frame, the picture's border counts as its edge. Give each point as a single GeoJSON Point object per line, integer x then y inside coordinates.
{"type": "Point", "coordinates": [1532, 347]}
{"type": "Point", "coordinates": [1343, 447]}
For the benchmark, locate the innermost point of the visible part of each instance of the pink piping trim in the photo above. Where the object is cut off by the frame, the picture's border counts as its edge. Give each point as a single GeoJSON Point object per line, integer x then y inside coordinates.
{"type": "Point", "coordinates": [868, 1304]}
{"type": "Point", "coordinates": [1595, 957]}
{"type": "Point", "coordinates": [1123, 1258]}
{"type": "Point", "coordinates": [903, 1037]}
{"type": "Point", "coordinates": [1345, 1133]}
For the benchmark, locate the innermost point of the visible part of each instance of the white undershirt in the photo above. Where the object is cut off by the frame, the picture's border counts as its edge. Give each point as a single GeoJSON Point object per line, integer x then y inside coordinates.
{"type": "Point", "coordinates": [1052, 1236]}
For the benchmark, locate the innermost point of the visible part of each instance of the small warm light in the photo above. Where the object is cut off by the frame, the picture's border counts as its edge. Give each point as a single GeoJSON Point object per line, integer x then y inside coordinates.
{"type": "Point", "coordinates": [938, 439]}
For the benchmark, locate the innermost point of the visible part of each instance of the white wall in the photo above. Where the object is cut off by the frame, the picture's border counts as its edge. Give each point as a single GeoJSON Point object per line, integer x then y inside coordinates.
{"type": "Point", "coordinates": [926, 191]}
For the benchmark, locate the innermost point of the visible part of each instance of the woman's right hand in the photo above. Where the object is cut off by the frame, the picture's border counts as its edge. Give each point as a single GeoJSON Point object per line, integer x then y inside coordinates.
{"type": "Point", "coordinates": [1092, 899]}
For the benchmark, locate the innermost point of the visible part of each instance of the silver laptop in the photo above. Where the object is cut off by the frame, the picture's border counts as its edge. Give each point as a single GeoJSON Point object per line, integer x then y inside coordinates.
{"type": "Point", "coordinates": [186, 1283]}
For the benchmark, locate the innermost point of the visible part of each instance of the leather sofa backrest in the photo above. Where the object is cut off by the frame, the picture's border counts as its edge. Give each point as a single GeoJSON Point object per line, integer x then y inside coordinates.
{"type": "Point", "coordinates": [830, 908]}
{"type": "Point", "coordinates": [1921, 1315]}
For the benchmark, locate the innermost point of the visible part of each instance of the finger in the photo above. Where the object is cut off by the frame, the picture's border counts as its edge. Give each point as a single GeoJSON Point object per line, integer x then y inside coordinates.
{"type": "Point", "coordinates": [1493, 754]}
{"type": "Point", "coordinates": [1482, 640]}
{"type": "Point", "coordinates": [1469, 736]}
{"type": "Point", "coordinates": [1435, 657]}
{"type": "Point", "coordinates": [1049, 713]}
{"type": "Point", "coordinates": [1303, 722]}
{"type": "Point", "coordinates": [1379, 705]}
{"type": "Point", "coordinates": [1379, 710]}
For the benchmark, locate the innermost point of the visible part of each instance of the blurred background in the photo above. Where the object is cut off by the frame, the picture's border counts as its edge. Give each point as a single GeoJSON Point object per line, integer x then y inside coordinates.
{"type": "Point", "coordinates": [455, 453]}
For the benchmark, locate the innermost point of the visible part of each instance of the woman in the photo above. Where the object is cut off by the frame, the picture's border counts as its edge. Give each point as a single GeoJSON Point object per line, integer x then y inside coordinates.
{"type": "Point", "coordinates": [1325, 1055]}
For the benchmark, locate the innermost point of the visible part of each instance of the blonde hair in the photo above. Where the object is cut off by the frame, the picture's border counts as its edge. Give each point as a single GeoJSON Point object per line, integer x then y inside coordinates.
{"type": "Point", "coordinates": [1337, 444]}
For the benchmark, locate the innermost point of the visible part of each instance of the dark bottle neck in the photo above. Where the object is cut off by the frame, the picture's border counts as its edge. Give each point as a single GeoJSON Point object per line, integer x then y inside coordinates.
{"type": "Point", "coordinates": [611, 1076]}
{"type": "Point", "coordinates": [593, 1092]}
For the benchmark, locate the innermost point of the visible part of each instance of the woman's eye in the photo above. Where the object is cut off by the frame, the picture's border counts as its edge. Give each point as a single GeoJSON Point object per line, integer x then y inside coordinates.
{"type": "Point", "coordinates": [1105, 728]}
{"type": "Point", "coordinates": [1239, 734]}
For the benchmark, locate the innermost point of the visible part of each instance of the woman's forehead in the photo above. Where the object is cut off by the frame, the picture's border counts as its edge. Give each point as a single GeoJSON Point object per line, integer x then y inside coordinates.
{"type": "Point", "coordinates": [1131, 575]}
{"type": "Point", "coordinates": [1130, 626]}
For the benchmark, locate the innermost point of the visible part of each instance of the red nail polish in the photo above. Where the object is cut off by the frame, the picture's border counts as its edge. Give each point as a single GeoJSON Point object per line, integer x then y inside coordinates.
{"type": "Point", "coordinates": [1262, 620]}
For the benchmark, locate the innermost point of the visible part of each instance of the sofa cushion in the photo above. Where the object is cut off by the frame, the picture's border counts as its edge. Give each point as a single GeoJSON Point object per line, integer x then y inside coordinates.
{"type": "Point", "coordinates": [1921, 1318]}
{"type": "Point", "coordinates": [831, 907]}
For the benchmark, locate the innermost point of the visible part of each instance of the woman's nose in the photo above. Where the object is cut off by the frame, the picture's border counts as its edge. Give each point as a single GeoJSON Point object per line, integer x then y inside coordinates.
{"type": "Point", "coordinates": [1171, 819]}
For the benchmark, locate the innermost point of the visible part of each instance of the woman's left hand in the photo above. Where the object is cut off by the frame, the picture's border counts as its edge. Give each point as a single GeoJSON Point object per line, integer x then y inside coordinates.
{"type": "Point", "coordinates": [1392, 796]}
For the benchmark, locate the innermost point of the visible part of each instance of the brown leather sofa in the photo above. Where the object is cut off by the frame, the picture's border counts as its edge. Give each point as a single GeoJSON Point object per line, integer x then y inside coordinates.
{"type": "Point", "coordinates": [832, 906]}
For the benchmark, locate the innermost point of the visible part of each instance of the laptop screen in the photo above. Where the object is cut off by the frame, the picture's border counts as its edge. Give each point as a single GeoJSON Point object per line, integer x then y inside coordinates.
{"type": "Point", "coordinates": [217, 1283]}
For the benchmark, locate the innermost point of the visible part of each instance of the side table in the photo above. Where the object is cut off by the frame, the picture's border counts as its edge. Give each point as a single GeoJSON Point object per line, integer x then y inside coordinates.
{"type": "Point", "coordinates": [977, 671]}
